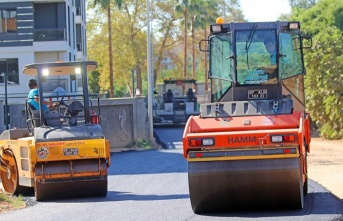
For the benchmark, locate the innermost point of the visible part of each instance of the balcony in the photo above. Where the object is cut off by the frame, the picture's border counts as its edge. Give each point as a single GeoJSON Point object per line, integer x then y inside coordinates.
{"type": "Point", "coordinates": [56, 34]}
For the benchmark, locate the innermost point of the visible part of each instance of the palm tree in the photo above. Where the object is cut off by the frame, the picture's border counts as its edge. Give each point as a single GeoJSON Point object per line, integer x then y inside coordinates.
{"type": "Point", "coordinates": [106, 4]}
{"type": "Point", "coordinates": [205, 15]}
{"type": "Point", "coordinates": [183, 7]}
{"type": "Point", "coordinates": [200, 12]}
{"type": "Point", "coordinates": [193, 9]}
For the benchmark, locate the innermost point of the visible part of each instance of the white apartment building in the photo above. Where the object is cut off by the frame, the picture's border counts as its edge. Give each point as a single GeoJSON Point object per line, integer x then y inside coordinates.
{"type": "Point", "coordinates": [37, 31]}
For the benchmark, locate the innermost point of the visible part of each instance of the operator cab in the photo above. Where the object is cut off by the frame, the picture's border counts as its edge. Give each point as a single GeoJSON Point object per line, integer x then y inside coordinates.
{"type": "Point", "coordinates": [249, 61]}
{"type": "Point", "coordinates": [256, 61]}
{"type": "Point", "coordinates": [73, 107]}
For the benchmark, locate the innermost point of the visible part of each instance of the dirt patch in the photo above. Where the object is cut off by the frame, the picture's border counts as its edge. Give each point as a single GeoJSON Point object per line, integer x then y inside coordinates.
{"type": "Point", "coordinates": [325, 164]}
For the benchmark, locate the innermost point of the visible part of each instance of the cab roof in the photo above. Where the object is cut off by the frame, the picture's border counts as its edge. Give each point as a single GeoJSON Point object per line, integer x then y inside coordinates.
{"type": "Point", "coordinates": [58, 68]}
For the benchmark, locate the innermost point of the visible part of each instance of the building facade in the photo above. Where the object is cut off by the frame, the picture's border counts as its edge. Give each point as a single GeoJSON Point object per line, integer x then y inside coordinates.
{"type": "Point", "coordinates": [38, 31]}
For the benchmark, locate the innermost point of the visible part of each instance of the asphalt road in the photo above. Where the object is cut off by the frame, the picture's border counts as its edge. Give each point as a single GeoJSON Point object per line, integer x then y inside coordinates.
{"type": "Point", "coordinates": [152, 185]}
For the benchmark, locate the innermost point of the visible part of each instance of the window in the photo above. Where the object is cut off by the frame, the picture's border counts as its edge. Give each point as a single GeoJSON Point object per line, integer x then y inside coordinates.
{"type": "Point", "coordinates": [221, 70]}
{"type": "Point", "coordinates": [10, 68]}
{"type": "Point", "coordinates": [8, 21]}
{"type": "Point", "coordinates": [291, 63]}
{"type": "Point", "coordinates": [256, 57]}
{"type": "Point", "coordinates": [220, 65]}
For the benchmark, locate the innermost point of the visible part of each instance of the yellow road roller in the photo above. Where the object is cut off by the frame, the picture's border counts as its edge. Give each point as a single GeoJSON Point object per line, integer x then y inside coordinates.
{"type": "Point", "coordinates": [62, 153]}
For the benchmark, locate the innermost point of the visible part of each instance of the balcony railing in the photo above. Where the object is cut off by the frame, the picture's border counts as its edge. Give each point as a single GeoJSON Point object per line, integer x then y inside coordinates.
{"type": "Point", "coordinates": [57, 34]}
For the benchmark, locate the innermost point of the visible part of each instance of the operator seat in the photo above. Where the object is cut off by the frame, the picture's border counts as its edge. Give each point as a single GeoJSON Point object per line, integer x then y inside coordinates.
{"type": "Point", "coordinates": [32, 118]}
{"type": "Point", "coordinates": [169, 96]}
{"type": "Point", "coordinates": [190, 95]}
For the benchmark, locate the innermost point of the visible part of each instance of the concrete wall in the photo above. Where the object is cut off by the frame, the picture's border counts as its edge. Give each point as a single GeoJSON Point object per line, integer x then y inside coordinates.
{"type": "Point", "coordinates": [123, 120]}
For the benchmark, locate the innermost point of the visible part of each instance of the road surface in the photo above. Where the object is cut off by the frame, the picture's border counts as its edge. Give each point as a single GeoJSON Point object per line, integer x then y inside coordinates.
{"type": "Point", "coordinates": [153, 185]}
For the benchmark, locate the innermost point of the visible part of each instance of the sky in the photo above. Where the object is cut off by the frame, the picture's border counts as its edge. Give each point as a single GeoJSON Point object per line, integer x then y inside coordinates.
{"type": "Point", "coordinates": [264, 10]}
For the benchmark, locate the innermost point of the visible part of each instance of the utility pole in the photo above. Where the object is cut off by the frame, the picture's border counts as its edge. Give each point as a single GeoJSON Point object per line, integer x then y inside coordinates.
{"type": "Point", "coordinates": [6, 104]}
{"type": "Point", "coordinates": [150, 75]}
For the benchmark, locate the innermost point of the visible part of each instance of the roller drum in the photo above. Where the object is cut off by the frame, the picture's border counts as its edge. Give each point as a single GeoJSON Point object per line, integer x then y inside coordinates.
{"type": "Point", "coordinates": [59, 189]}
{"type": "Point", "coordinates": [242, 184]}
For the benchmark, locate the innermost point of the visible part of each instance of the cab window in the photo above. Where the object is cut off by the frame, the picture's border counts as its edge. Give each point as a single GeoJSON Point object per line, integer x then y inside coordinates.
{"type": "Point", "coordinates": [220, 51]}
{"type": "Point", "coordinates": [290, 59]}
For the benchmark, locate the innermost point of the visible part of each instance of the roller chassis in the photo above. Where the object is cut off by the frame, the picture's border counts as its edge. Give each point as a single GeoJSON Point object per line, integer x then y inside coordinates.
{"type": "Point", "coordinates": [61, 154]}
{"type": "Point", "coordinates": [244, 170]}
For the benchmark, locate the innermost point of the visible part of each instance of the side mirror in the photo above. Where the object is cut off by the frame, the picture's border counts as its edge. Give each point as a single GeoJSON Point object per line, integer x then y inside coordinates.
{"type": "Point", "coordinates": [203, 45]}
{"type": "Point", "coordinates": [306, 42]}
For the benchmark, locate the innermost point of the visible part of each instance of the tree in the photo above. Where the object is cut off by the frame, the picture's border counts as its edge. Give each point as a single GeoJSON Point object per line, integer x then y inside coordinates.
{"type": "Point", "coordinates": [230, 10]}
{"type": "Point", "coordinates": [106, 4]}
{"type": "Point", "coordinates": [206, 15]}
{"type": "Point", "coordinates": [304, 4]}
{"type": "Point", "coordinates": [323, 81]}
{"type": "Point", "coordinates": [93, 82]}
{"type": "Point", "coordinates": [183, 8]}
{"type": "Point", "coordinates": [167, 28]}
{"type": "Point", "coordinates": [131, 27]}
{"type": "Point", "coordinates": [129, 45]}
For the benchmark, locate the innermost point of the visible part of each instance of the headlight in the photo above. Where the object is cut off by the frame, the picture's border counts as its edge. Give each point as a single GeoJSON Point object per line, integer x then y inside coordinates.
{"type": "Point", "coordinates": [198, 142]}
{"type": "Point", "coordinates": [276, 139]}
{"type": "Point", "coordinates": [293, 25]}
{"type": "Point", "coordinates": [283, 138]}
{"type": "Point", "coordinates": [216, 28]}
{"type": "Point", "coordinates": [207, 142]}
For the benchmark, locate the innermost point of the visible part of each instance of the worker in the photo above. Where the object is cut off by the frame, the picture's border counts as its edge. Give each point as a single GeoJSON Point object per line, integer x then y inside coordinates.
{"type": "Point", "coordinates": [269, 44]}
{"type": "Point", "coordinates": [33, 97]}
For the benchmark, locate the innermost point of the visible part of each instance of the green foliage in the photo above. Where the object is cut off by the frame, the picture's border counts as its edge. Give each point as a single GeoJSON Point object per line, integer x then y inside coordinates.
{"type": "Point", "coordinates": [129, 39]}
{"type": "Point", "coordinates": [11, 202]}
{"type": "Point", "coordinates": [93, 82]}
{"type": "Point", "coordinates": [324, 79]}
{"type": "Point", "coordinates": [143, 143]}
{"type": "Point", "coordinates": [302, 3]}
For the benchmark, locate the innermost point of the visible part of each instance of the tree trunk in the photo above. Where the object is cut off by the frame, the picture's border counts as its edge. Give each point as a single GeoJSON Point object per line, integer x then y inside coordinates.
{"type": "Point", "coordinates": [160, 54]}
{"type": "Point", "coordinates": [193, 50]}
{"type": "Point", "coordinates": [205, 67]}
{"type": "Point", "coordinates": [185, 46]}
{"type": "Point", "coordinates": [110, 55]}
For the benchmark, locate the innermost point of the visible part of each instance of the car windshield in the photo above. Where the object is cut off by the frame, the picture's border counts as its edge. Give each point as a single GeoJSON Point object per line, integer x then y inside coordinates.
{"type": "Point", "coordinates": [256, 57]}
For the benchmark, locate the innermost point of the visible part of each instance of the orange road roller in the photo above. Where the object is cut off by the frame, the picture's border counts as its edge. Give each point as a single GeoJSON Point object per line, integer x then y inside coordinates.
{"type": "Point", "coordinates": [248, 147]}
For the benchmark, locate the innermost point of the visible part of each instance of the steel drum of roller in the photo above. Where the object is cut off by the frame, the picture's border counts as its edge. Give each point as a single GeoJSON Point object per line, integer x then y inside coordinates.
{"type": "Point", "coordinates": [249, 184]}
{"type": "Point", "coordinates": [70, 189]}
{"type": "Point", "coordinates": [69, 179]}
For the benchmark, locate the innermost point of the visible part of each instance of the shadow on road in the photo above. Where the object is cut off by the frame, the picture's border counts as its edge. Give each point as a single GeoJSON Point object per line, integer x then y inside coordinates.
{"type": "Point", "coordinates": [167, 137]}
{"type": "Point", "coordinates": [123, 196]}
{"type": "Point", "coordinates": [324, 204]}
{"type": "Point", "coordinates": [319, 201]}
{"type": "Point", "coordinates": [147, 162]}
